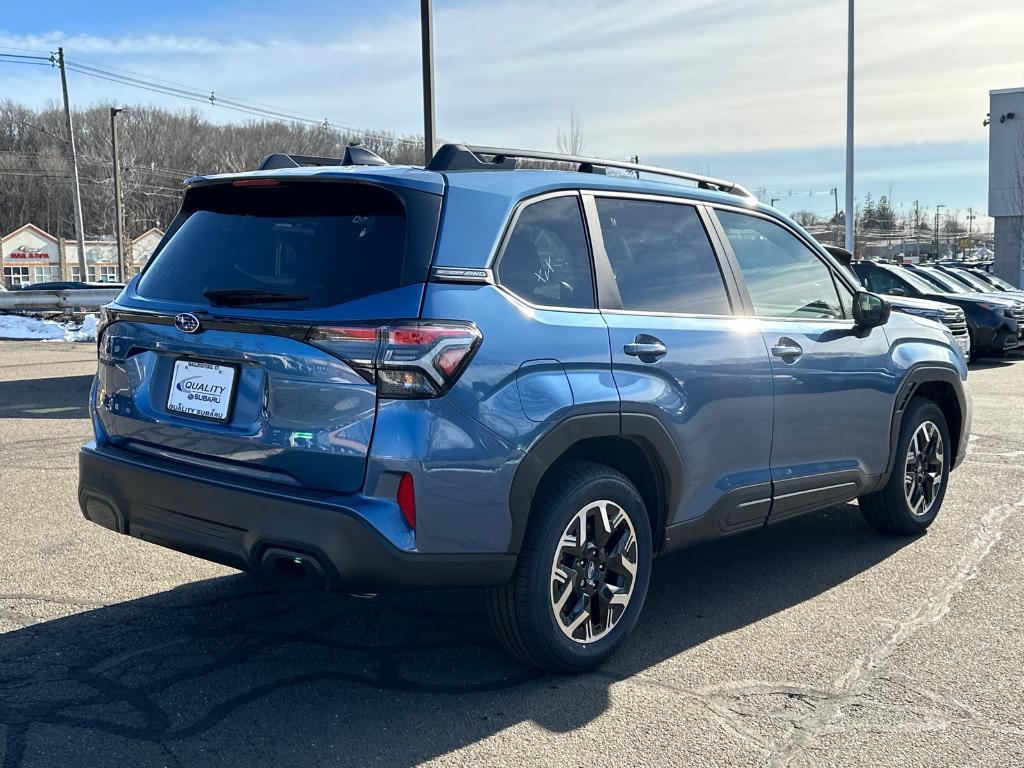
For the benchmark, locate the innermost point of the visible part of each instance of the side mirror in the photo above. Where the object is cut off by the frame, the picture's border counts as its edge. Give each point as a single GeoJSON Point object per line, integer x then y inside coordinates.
{"type": "Point", "coordinates": [898, 292]}
{"type": "Point", "coordinates": [870, 310]}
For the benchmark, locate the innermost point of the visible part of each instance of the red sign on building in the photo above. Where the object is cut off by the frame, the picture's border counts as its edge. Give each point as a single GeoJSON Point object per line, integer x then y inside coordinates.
{"type": "Point", "coordinates": [35, 255]}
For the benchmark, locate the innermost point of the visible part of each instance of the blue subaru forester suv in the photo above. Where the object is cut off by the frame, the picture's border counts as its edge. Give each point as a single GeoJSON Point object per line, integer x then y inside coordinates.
{"type": "Point", "coordinates": [478, 374]}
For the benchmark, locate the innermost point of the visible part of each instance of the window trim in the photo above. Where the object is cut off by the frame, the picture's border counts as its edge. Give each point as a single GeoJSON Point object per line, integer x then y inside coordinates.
{"type": "Point", "coordinates": [609, 299]}
{"type": "Point", "coordinates": [494, 263]}
{"type": "Point", "coordinates": [823, 256]}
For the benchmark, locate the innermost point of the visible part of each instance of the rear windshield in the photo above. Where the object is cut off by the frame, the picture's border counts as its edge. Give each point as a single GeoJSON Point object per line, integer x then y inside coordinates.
{"type": "Point", "coordinates": [293, 245]}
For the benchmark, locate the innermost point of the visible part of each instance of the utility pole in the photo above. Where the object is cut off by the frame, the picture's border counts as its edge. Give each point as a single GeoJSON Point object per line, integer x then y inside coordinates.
{"type": "Point", "coordinates": [849, 128]}
{"type": "Point", "coordinates": [76, 192]}
{"type": "Point", "coordinates": [118, 213]}
{"type": "Point", "coordinates": [937, 207]}
{"type": "Point", "coordinates": [427, 32]}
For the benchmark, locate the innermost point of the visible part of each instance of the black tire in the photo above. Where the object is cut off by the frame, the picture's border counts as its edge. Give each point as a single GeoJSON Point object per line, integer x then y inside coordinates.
{"type": "Point", "coordinates": [889, 509]}
{"type": "Point", "coordinates": [522, 611]}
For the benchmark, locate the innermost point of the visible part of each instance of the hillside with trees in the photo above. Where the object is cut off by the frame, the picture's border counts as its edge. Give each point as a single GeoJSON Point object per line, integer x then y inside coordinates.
{"type": "Point", "coordinates": [158, 150]}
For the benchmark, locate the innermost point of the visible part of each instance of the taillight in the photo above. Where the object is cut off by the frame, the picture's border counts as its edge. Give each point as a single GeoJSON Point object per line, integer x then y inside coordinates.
{"type": "Point", "coordinates": [405, 359]}
{"type": "Point", "coordinates": [101, 326]}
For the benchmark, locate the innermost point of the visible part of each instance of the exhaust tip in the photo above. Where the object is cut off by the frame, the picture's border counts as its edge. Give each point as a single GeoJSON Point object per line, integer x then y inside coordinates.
{"type": "Point", "coordinates": [288, 565]}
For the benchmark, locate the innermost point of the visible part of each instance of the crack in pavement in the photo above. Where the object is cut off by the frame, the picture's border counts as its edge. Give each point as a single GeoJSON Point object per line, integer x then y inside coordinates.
{"type": "Point", "coordinates": [853, 687]}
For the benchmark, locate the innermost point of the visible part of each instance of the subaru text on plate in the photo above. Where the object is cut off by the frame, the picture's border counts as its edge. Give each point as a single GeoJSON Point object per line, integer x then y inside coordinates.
{"type": "Point", "coordinates": [477, 374]}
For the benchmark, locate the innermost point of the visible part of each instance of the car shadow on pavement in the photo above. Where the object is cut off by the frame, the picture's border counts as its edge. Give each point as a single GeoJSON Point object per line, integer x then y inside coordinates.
{"type": "Point", "coordinates": [236, 670]}
{"type": "Point", "coordinates": [988, 363]}
{"type": "Point", "coordinates": [60, 397]}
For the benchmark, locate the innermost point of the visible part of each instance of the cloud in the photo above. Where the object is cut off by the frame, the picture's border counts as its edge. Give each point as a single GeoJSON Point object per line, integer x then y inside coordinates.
{"type": "Point", "coordinates": [701, 76]}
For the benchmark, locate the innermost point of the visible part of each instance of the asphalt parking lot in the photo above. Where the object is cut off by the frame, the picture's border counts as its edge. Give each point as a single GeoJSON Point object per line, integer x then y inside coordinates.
{"type": "Point", "coordinates": [817, 642]}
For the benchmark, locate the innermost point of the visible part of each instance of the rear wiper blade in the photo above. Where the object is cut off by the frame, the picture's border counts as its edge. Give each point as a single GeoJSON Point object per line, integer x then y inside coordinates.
{"type": "Point", "coordinates": [230, 296]}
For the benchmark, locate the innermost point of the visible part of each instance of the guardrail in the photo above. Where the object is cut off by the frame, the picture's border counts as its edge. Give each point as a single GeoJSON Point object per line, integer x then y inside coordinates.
{"type": "Point", "coordinates": [90, 298]}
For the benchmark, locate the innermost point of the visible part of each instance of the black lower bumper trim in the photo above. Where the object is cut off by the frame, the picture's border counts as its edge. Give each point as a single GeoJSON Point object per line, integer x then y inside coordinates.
{"type": "Point", "coordinates": [236, 527]}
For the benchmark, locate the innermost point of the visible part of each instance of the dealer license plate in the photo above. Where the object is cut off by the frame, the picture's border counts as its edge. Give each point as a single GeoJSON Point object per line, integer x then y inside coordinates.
{"type": "Point", "coordinates": [202, 389]}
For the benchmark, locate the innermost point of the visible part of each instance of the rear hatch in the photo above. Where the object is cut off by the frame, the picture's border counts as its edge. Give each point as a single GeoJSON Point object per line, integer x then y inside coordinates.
{"type": "Point", "coordinates": [246, 345]}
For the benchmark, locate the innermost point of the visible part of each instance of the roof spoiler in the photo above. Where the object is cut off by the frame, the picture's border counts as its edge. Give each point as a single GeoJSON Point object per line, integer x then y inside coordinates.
{"type": "Point", "coordinates": [354, 155]}
{"type": "Point", "coordinates": [460, 157]}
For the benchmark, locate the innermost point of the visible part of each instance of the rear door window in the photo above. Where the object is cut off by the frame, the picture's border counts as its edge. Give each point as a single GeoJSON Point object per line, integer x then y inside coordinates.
{"type": "Point", "coordinates": [293, 245]}
{"type": "Point", "coordinates": [661, 258]}
{"type": "Point", "coordinates": [546, 260]}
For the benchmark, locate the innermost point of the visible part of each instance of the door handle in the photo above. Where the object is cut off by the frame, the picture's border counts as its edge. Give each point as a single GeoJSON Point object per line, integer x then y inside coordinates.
{"type": "Point", "coordinates": [788, 350]}
{"type": "Point", "coordinates": [647, 348]}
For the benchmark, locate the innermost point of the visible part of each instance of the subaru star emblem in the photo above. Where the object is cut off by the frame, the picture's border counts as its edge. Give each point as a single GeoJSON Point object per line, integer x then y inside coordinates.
{"type": "Point", "coordinates": [186, 322]}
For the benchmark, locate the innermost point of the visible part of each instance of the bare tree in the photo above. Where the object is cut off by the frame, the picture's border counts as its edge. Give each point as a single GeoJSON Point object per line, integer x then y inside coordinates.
{"type": "Point", "coordinates": [159, 149]}
{"type": "Point", "coordinates": [571, 142]}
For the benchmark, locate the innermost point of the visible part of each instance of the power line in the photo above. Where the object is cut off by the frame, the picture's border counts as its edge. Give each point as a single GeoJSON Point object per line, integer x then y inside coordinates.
{"type": "Point", "coordinates": [25, 63]}
{"type": "Point", "coordinates": [25, 50]}
{"type": "Point", "coordinates": [190, 93]}
{"type": "Point", "coordinates": [193, 94]}
{"type": "Point", "coordinates": [24, 56]}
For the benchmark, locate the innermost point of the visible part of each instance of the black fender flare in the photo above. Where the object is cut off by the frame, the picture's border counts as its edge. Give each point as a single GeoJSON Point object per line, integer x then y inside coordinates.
{"type": "Point", "coordinates": [641, 427]}
{"type": "Point", "coordinates": [918, 374]}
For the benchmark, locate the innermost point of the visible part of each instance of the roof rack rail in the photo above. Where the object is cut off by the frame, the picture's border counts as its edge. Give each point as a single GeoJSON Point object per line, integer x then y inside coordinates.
{"type": "Point", "coordinates": [461, 157]}
{"type": "Point", "coordinates": [354, 155]}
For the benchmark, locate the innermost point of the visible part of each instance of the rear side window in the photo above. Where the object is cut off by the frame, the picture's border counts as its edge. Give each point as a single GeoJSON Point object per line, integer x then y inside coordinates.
{"type": "Point", "coordinates": [292, 246]}
{"type": "Point", "coordinates": [546, 260]}
{"type": "Point", "coordinates": [662, 258]}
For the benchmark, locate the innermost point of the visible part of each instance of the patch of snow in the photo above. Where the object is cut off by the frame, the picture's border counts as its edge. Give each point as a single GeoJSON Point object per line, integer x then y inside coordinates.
{"type": "Point", "coordinates": [24, 327]}
{"type": "Point", "coordinates": [86, 332]}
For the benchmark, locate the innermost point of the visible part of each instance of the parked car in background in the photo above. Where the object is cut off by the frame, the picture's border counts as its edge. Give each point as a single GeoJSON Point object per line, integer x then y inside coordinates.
{"type": "Point", "coordinates": [976, 283]}
{"type": "Point", "coordinates": [69, 285]}
{"type": "Point", "coordinates": [949, 315]}
{"type": "Point", "coordinates": [994, 325]}
{"type": "Point", "coordinates": [993, 280]}
{"type": "Point", "coordinates": [471, 374]}
{"type": "Point", "coordinates": [953, 283]}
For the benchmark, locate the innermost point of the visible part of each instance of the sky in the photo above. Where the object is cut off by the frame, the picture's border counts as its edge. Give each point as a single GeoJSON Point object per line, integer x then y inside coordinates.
{"type": "Point", "coordinates": [746, 90]}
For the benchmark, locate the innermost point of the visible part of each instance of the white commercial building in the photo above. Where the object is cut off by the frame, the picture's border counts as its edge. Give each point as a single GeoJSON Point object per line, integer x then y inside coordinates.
{"type": "Point", "coordinates": [1006, 181]}
{"type": "Point", "coordinates": [31, 255]}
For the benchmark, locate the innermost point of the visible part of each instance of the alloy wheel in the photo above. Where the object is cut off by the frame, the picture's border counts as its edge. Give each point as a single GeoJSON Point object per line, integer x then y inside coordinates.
{"type": "Point", "coordinates": [923, 473]}
{"type": "Point", "coordinates": [593, 572]}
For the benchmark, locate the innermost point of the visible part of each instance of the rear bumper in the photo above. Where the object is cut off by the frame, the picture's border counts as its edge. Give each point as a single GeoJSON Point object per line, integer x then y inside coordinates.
{"type": "Point", "coordinates": [237, 526]}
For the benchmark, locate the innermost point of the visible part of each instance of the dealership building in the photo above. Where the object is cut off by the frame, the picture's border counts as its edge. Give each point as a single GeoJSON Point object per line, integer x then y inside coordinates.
{"type": "Point", "coordinates": [32, 255]}
{"type": "Point", "coordinates": [1006, 181]}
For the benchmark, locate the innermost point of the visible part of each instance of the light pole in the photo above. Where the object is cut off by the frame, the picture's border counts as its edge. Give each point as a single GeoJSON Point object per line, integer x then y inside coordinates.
{"type": "Point", "coordinates": [835, 221]}
{"type": "Point", "coordinates": [118, 214]}
{"type": "Point", "coordinates": [849, 128]}
{"type": "Point", "coordinates": [427, 35]}
{"type": "Point", "coordinates": [937, 208]}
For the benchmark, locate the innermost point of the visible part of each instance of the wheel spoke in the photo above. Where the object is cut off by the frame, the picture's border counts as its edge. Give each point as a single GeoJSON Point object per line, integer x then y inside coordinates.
{"type": "Point", "coordinates": [583, 616]}
{"type": "Point", "coordinates": [928, 489]}
{"type": "Point", "coordinates": [563, 598]}
{"type": "Point", "coordinates": [603, 524]}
